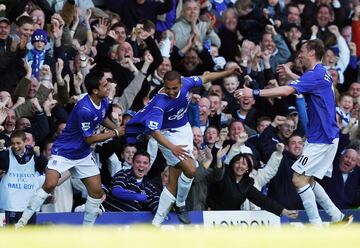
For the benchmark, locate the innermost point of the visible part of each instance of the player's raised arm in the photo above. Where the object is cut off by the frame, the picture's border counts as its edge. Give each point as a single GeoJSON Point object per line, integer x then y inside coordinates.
{"type": "Point", "coordinates": [212, 76]}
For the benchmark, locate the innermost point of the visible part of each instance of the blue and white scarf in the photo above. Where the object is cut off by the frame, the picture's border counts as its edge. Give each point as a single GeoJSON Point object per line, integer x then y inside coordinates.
{"type": "Point", "coordinates": [36, 58]}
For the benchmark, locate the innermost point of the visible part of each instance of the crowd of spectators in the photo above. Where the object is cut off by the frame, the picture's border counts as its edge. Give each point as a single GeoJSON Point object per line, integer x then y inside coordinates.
{"type": "Point", "coordinates": [47, 47]}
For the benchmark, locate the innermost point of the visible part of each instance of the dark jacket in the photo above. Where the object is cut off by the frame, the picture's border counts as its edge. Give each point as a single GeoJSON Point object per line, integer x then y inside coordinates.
{"type": "Point", "coordinates": [227, 194]}
{"type": "Point", "coordinates": [11, 66]}
{"type": "Point", "coordinates": [281, 188]}
{"type": "Point", "coordinates": [131, 12]}
{"type": "Point", "coordinates": [268, 141]}
{"type": "Point", "coordinates": [134, 197]}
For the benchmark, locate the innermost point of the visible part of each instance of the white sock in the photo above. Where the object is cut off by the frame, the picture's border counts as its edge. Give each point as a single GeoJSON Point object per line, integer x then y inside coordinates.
{"type": "Point", "coordinates": [184, 185]}
{"type": "Point", "coordinates": [91, 210]}
{"type": "Point", "coordinates": [36, 201]}
{"type": "Point", "coordinates": [308, 199]}
{"type": "Point", "coordinates": [325, 202]}
{"type": "Point", "coordinates": [165, 203]}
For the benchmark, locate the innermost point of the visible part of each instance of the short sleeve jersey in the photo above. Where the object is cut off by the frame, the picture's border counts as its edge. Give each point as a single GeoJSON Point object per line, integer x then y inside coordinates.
{"type": "Point", "coordinates": [83, 121]}
{"type": "Point", "coordinates": [317, 87]}
{"type": "Point", "coordinates": [162, 112]}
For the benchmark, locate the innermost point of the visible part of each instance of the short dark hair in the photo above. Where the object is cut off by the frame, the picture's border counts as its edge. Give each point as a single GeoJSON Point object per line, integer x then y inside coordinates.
{"type": "Point", "coordinates": [291, 5]}
{"type": "Point", "coordinates": [212, 126]}
{"type": "Point", "coordinates": [92, 81]}
{"type": "Point", "coordinates": [24, 20]}
{"type": "Point", "coordinates": [316, 45]}
{"type": "Point", "coordinates": [261, 119]}
{"type": "Point", "coordinates": [18, 134]}
{"type": "Point", "coordinates": [294, 134]}
{"type": "Point", "coordinates": [141, 153]}
{"type": "Point", "coordinates": [235, 121]}
{"type": "Point", "coordinates": [127, 145]}
{"type": "Point", "coordinates": [119, 25]}
{"type": "Point", "coordinates": [172, 76]}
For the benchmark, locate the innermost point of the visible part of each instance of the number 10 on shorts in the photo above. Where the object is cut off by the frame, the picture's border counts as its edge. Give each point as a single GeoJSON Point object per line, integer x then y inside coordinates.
{"type": "Point", "coordinates": [303, 160]}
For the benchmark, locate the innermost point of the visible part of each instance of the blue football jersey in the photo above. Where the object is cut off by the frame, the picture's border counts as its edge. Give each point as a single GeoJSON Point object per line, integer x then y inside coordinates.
{"type": "Point", "coordinates": [162, 112]}
{"type": "Point", "coordinates": [83, 121]}
{"type": "Point", "coordinates": [317, 87]}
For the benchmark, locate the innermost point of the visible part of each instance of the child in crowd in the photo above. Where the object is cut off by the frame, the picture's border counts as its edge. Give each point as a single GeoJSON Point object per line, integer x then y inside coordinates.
{"type": "Point", "coordinates": [343, 111]}
{"type": "Point", "coordinates": [36, 56]}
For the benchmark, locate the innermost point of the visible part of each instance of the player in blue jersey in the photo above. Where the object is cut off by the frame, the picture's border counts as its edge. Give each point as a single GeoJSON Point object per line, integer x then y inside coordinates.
{"type": "Point", "coordinates": [165, 119]}
{"type": "Point", "coordinates": [322, 131]}
{"type": "Point", "coordinates": [71, 151]}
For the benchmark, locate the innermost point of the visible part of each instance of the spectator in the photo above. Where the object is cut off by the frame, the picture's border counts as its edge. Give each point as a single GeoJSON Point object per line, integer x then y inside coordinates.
{"type": "Point", "coordinates": [280, 186]}
{"type": "Point", "coordinates": [273, 43]}
{"type": "Point", "coordinates": [130, 191]}
{"type": "Point", "coordinates": [236, 186]}
{"type": "Point", "coordinates": [344, 109]}
{"type": "Point", "coordinates": [132, 12]}
{"type": "Point", "coordinates": [22, 166]}
{"type": "Point", "coordinates": [279, 131]}
{"type": "Point", "coordinates": [345, 179]}
{"type": "Point", "coordinates": [189, 22]}
{"type": "Point", "coordinates": [10, 65]}
{"type": "Point", "coordinates": [204, 176]}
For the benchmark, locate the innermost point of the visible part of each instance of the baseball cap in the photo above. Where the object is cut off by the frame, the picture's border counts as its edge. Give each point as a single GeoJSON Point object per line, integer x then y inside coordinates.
{"type": "Point", "coordinates": [4, 19]}
{"type": "Point", "coordinates": [291, 110]}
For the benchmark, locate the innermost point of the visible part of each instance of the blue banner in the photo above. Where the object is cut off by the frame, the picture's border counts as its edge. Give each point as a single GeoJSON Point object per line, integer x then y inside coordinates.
{"type": "Point", "coordinates": [197, 217]}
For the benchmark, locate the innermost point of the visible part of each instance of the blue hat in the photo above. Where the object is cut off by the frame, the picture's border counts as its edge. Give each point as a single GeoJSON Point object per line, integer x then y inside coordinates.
{"type": "Point", "coordinates": [39, 35]}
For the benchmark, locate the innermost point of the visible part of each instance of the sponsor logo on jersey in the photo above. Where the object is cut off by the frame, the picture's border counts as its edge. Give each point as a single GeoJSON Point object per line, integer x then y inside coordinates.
{"type": "Point", "coordinates": [178, 116]}
{"type": "Point", "coordinates": [85, 126]}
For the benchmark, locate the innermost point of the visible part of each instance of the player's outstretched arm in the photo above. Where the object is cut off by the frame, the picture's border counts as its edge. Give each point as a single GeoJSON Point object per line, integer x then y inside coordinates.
{"type": "Point", "coordinates": [273, 92]}
{"type": "Point", "coordinates": [212, 76]}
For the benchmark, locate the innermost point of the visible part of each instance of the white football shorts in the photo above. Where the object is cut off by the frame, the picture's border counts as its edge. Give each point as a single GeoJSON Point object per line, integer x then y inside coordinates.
{"type": "Point", "coordinates": [79, 168]}
{"type": "Point", "coordinates": [316, 159]}
{"type": "Point", "coordinates": [178, 136]}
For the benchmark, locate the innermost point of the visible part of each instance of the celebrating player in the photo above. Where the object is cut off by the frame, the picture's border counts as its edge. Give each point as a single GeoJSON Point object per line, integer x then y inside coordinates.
{"type": "Point", "coordinates": [165, 119]}
{"type": "Point", "coordinates": [322, 131]}
{"type": "Point", "coordinates": [71, 151]}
